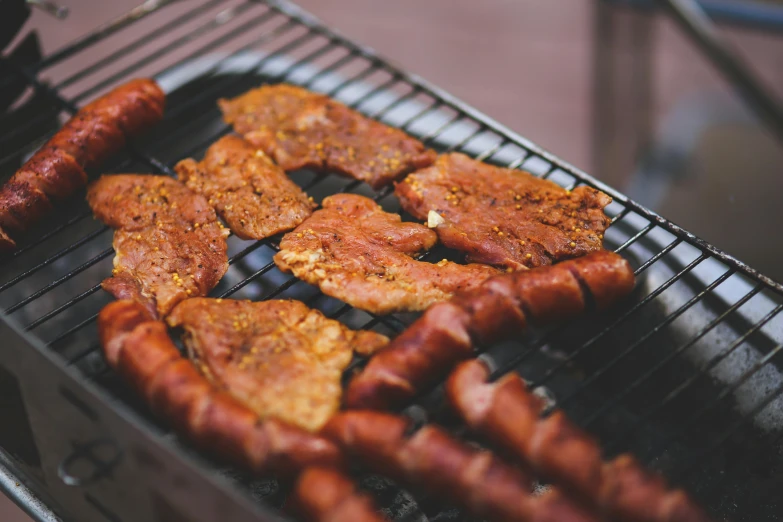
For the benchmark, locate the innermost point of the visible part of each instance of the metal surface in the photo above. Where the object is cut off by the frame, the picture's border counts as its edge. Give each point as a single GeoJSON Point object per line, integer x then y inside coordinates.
{"type": "Point", "coordinates": [24, 497]}
{"type": "Point", "coordinates": [685, 374]}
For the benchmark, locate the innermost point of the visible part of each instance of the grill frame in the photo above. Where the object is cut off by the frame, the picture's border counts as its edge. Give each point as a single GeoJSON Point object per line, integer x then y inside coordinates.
{"type": "Point", "coordinates": [131, 431]}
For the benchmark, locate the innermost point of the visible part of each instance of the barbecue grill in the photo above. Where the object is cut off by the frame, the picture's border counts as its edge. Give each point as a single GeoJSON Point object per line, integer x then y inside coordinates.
{"type": "Point", "coordinates": [685, 374]}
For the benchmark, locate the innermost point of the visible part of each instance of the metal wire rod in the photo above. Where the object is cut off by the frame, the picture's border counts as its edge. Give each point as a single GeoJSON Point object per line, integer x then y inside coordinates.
{"type": "Point", "coordinates": [142, 40]}
{"type": "Point", "coordinates": [657, 328]}
{"type": "Point", "coordinates": [701, 372]}
{"type": "Point", "coordinates": [616, 399]}
{"type": "Point", "coordinates": [681, 428]}
{"type": "Point", "coordinates": [550, 334]}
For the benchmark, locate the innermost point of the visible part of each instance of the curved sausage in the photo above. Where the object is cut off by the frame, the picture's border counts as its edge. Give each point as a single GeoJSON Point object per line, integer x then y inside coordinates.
{"type": "Point", "coordinates": [507, 414]}
{"type": "Point", "coordinates": [444, 335]}
{"type": "Point", "coordinates": [326, 495]}
{"type": "Point", "coordinates": [432, 461]}
{"type": "Point", "coordinates": [96, 132]}
{"type": "Point", "coordinates": [141, 350]}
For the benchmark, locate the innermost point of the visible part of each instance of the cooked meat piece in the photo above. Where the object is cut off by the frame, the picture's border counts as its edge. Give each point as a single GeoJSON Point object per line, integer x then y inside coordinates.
{"type": "Point", "coordinates": [504, 217]}
{"type": "Point", "coordinates": [280, 358]}
{"type": "Point", "coordinates": [499, 309]}
{"type": "Point", "coordinates": [507, 414]}
{"type": "Point", "coordinates": [299, 129]}
{"type": "Point", "coordinates": [430, 460]}
{"type": "Point", "coordinates": [169, 244]}
{"type": "Point", "coordinates": [140, 350]}
{"type": "Point", "coordinates": [252, 194]}
{"type": "Point", "coordinates": [325, 495]}
{"type": "Point", "coordinates": [57, 170]}
{"type": "Point", "coordinates": [358, 253]}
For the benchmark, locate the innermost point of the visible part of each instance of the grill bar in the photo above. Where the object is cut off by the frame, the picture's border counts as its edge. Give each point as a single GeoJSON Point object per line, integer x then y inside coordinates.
{"type": "Point", "coordinates": [520, 358]}
{"type": "Point", "coordinates": [23, 249]}
{"type": "Point", "coordinates": [658, 449]}
{"type": "Point", "coordinates": [104, 31]}
{"type": "Point", "coordinates": [80, 297]}
{"type": "Point", "coordinates": [700, 373]}
{"type": "Point", "coordinates": [164, 51]}
{"type": "Point", "coordinates": [57, 282]}
{"type": "Point", "coordinates": [220, 19]}
{"type": "Point", "coordinates": [671, 317]}
{"type": "Point", "coordinates": [139, 42]}
{"type": "Point", "coordinates": [52, 259]}
{"type": "Point", "coordinates": [642, 379]}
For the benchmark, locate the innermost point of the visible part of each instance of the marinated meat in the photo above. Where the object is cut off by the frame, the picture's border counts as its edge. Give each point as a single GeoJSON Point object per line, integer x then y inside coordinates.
{"type": "Point", "coordinates": [169, 245]}
{"type": "Point", "coordinates": [504, 217]}
{"type": "Point", "coordinates": [252, 194]}
{"type": "Point", "coordinates": [141, 351]}
{"type": "Point", "coordinates": [280, 358]}
{"type": "Point", "coordinates": [358, 253]}
{"type": "Point", "coordinates": [299, 129]}
{"type": "Point", "coordinates": [57, 170]}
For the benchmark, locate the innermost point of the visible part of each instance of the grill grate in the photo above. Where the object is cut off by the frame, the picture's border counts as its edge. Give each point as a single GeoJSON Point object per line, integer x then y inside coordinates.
{"type": "Point", "coordinates": [687, 376]}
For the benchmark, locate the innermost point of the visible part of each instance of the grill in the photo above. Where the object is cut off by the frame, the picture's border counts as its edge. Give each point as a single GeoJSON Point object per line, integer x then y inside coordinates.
{"type": "Point", "coordinates": [686, 374]}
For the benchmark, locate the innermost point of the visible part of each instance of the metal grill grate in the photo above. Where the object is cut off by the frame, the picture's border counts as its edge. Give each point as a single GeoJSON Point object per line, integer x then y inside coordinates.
{"type": "Point", "coordinates": [687, 375]}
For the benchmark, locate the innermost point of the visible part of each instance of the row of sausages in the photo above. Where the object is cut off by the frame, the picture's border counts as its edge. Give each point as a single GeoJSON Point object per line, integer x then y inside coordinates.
{"type": "Point", "coordinates": [585, 488]}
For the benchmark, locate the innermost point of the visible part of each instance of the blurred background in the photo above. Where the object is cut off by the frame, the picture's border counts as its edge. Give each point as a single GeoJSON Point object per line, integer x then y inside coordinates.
{"type": "Point", "coordinates": [613, 87]}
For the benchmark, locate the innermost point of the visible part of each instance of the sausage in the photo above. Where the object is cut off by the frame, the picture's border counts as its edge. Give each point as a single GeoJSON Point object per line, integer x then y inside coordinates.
{"type": "Point", "coordinates": [445, 334]}
{"type": "Point", "coordinates": [507, 414]}
{"type": "Point", "coordinates": [326, 495]}
{"type": "Point", "coordinates": [96, 132]}
{"type": "Point", "coordinates": [141, 350]}
{"type": "Point", "coordinates": [432, 461]}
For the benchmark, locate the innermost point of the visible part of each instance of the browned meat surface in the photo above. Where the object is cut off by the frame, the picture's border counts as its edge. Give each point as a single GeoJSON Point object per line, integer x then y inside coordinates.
{"type": "Point", "coordinates": [252, 194]}
{"type": "Point", "coordinates": [280, 358]}
{"type": "Point", "coordinates": [299, 128]}
{"type": "Point", "coordinates": [504, 217]}
{"type": "Point", "coordinates": [358, 253]}
{"type": "Point", "coordinates": [57, 170]}
{"type": "Point", "coordinates": [169, 245]}
{"type": "Point", "coordinates": [141, 351]}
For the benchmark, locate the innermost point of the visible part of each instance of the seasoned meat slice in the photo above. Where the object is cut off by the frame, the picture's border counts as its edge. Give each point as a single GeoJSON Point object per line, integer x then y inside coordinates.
{"type": "Point", "coordinates": [252, 194]}
{"type": "Point", "coordinates": [169, 244]}
{"type": "Point", "coordinates": [299, 128]}
{"type": "Point", "coordinates": [280, 358]}
{"type": "Point", "coordinates": [358, 253]}
{"type": "Point", "coordinates": [504, 217]}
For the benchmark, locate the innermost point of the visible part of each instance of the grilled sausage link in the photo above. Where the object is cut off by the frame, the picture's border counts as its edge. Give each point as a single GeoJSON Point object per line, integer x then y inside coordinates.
{"type": "Point", "coordinates": [433, 461]}
{"type": "Point", "coordinates": [444, 335]}
{"type": "Point", "coordinates": [140, 349]}
{"type": "Point", "coordinates": [96, 132]}
{"type": "Point", "coordinates": [326, 495]}
{"type": "Point", "coordinates": [507, 414]}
